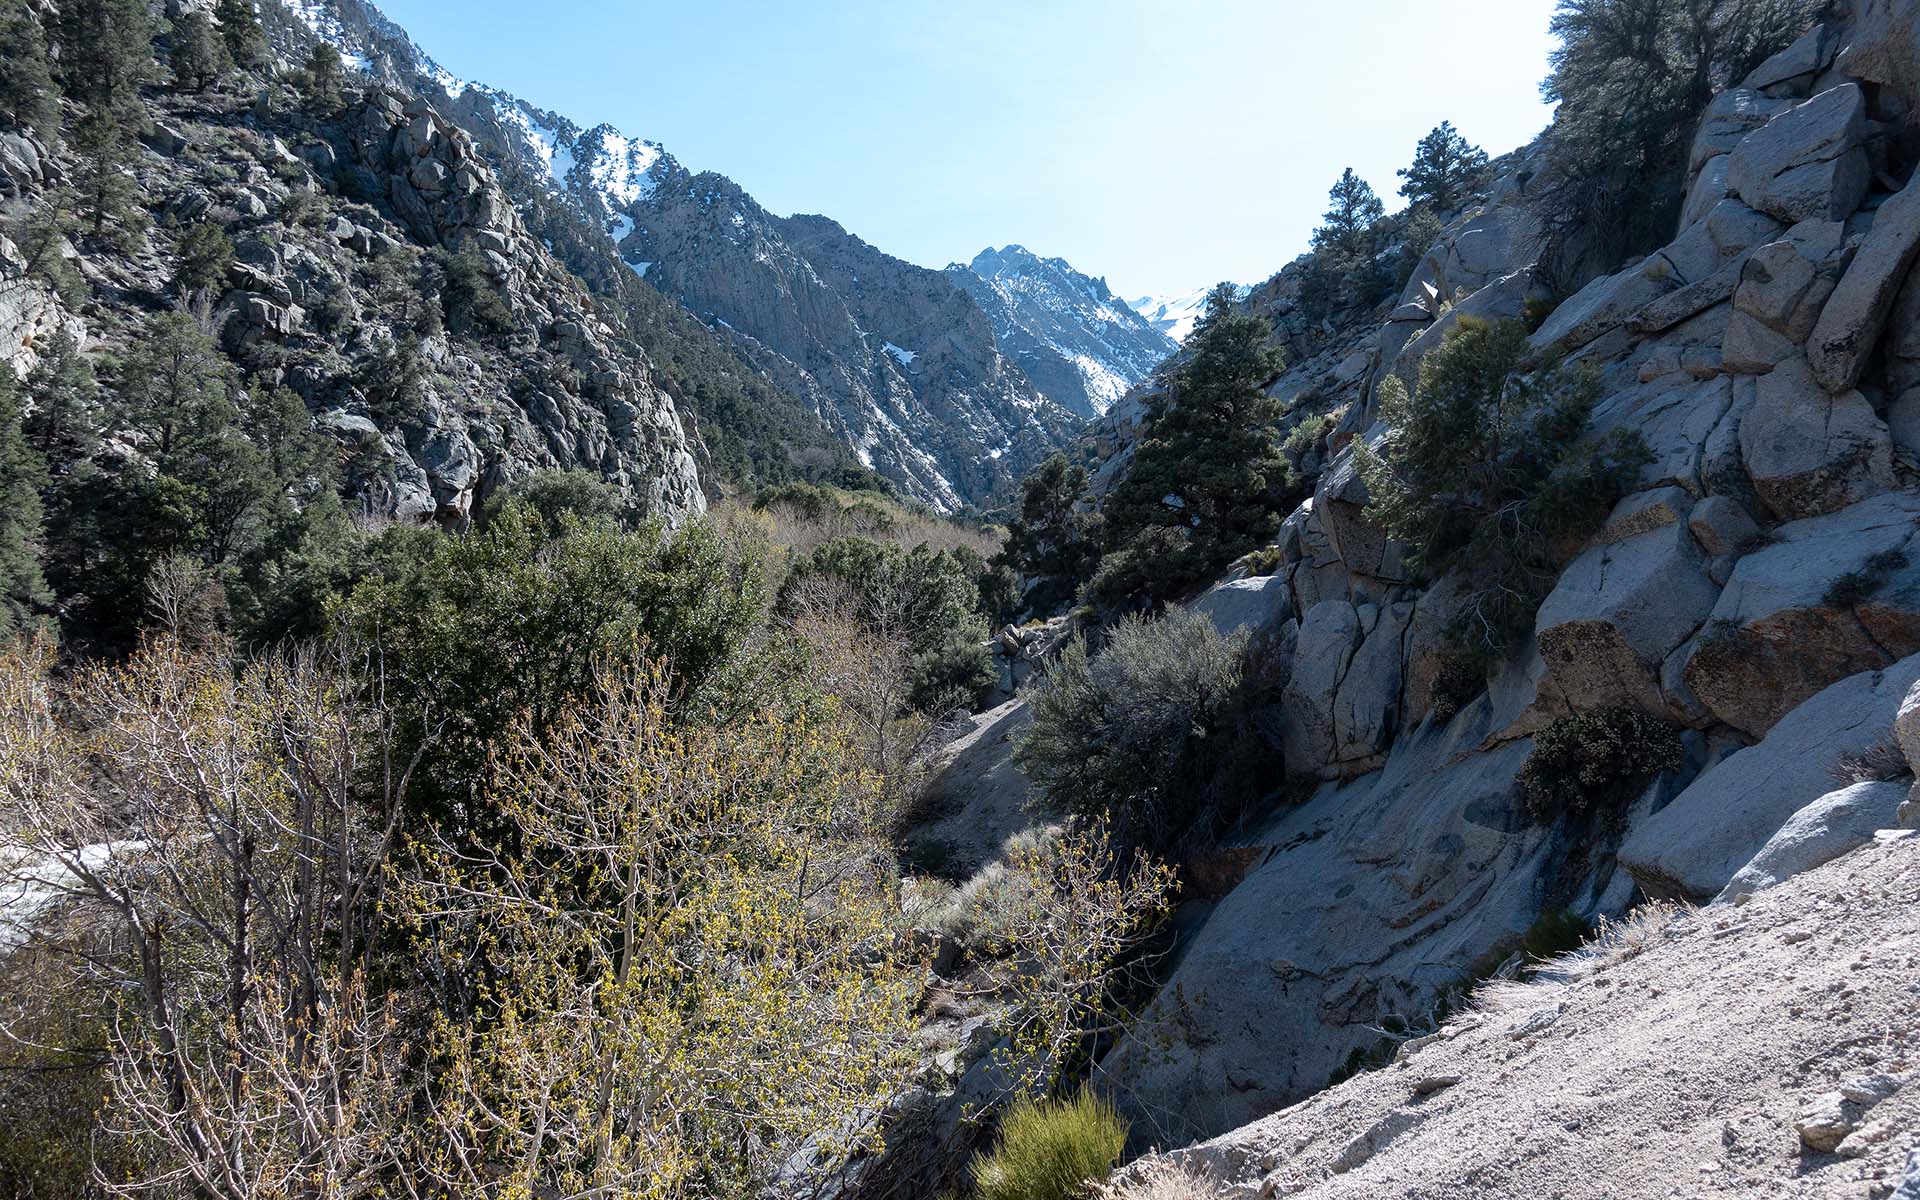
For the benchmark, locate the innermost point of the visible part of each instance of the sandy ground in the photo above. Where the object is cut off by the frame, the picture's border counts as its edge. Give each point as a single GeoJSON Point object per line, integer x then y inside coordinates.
{"type": "Point", "coordinates": [1677, 1065]}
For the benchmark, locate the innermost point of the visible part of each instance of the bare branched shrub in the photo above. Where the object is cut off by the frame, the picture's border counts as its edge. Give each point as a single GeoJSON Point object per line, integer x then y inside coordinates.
{"type": "Point", "coordinates": [693, 968]}
{"type": "Point", "coordinates": [1064, 926]}
{"type": "Point", "coordinates": [858, 644]}
{"type": "Point", "coordinates": [209, 823]}
{"type": "Point", "coordinates": [1879, 763]}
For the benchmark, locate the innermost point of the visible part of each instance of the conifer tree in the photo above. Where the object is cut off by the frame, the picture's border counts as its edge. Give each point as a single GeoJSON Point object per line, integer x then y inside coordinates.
{"type": "Point", "coordinates": [240, 30]}
{"type": "Point", "coordinates": [23, 473]}
{"type": "Point", "coordinates": [198, 56]}
{"type": "Point", "coordinates": [1208, 482]}
{"type": "Point", "coordinates": [205, 254]}
{"type": "Point", "coordinates": [321, 81]}
{"type": "Point", "coordinates": [1053, 542]}
{"type": "Point", "coordinates": [64, 424]}
{"type": "Point", "coordinates": [1347, 226]}
{"type": "Point", "coordinates": [106, 54]}
{"type": "Point", "coordinates": [29, 98]}
{"type": "Point", "coordinates": [1446, 169]}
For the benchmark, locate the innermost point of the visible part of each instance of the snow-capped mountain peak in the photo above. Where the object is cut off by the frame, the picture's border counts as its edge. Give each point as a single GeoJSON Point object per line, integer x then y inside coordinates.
{"type": "Point", "coordinates": [1174, 316]}
{"type": "Point", "coordinates": [1080, 344]}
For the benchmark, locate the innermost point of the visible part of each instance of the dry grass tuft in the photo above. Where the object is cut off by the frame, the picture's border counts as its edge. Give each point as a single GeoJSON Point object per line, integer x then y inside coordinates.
{"type": "Point", "coordinates": [1161, 1178]}
{"type": "Point", "coordinates": [1612, 942]}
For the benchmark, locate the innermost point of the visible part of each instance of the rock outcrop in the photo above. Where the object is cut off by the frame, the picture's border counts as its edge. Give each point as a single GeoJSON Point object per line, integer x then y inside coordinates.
{"type": "Point", "coordinates": [1756, 591]}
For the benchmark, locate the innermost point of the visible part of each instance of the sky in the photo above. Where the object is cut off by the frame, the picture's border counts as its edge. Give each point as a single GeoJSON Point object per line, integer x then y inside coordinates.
{"type": "Point", "coordinates": [1163, 144]}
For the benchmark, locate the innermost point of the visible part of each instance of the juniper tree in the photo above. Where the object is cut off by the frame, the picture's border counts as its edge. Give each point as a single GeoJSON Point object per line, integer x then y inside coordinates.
{"type": "Point", "coordinates": [1208, 480]}
{"type": "Point", "coordinates": [1446, 169]}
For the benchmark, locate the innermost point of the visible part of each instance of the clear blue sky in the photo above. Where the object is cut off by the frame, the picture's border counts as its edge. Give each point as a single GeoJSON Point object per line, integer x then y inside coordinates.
{"type": "Point", "coordinates": [1165, 144]}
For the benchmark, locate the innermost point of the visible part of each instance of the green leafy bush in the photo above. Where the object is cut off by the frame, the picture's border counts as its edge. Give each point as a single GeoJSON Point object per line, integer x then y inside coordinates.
{"type": "Point", "coordinates": [1154, 733]}
{"type": "Point", "coordinates": [1492, 469]}
{"type": "Point", "coordinates": [1051, 1150]}
{"type": "Point", "coordinates": [1595, 761]}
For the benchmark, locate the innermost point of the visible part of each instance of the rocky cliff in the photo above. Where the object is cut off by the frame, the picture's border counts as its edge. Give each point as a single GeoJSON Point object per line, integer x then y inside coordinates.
{"type": "Point", "coordinates": [898, 364]}
{"type": "Point", "coordinates": [1757, 590]}
{"type": "Point", "coordinates": [1079, 344]}
{"type": "Point", "coordinates": [326, 216]}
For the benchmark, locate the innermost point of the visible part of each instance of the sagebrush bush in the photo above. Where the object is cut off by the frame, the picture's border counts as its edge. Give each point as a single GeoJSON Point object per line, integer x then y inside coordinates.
{"type": "Point", "coordinates": [1490, 467]}
{"type": "Point", "coordinates": [1595, 761]}
{"type": "Point", "coordinates": [1148, 733]}
{"type": "Point", "coordinates": [1051, 1150]}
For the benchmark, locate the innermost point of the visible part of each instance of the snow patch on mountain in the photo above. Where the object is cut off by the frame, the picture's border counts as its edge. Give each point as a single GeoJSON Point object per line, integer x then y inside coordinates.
{"type": "Point", "coordinates": [1174, 316]}
{"type": "Point", "coordinates": [1080, 344]}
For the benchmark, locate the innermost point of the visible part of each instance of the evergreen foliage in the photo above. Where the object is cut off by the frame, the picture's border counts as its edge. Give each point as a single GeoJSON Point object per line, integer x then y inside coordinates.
{"type": "Point", "coordinates": [205, 253]}
{"type": "Point", "coordinates": [29, 98]}
{"type": "Point", "coordinates": [1053, 542]}
{"type": "Point", "coordinates": [1343, 271]}
{"type": "Point", "coordinates": [106, 55]}
{"type": "Point", "coordinates": [322, 81]}
{"type": "Point", "coordinates": [928, 597]}
{"type": "Point", "coordinates": [1595, 762]}
{"type": "Point", "coordinates": [1446, 170]}
{"type": "Point", "coordinates": [1208, 481]}
{"type": "Point", "coordinates": [240, 29]}
{"type": "Point", "coordinates": [494, 625]}
{"type": "Point", "coordinates": [24, 595]}
{"type": "Point", "coordinates": [197, 55]}
{"type": "Point", "coordinates": [471, 299]}
{"type": "Point", "coordinates": [1632, 78]}
{"type": "Point", "coordinates": [1155, 734]}
{"type": "Point", "coordinates": [1489, 468]}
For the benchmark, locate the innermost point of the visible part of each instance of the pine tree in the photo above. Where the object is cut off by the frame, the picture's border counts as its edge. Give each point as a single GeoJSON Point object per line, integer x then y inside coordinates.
{"type": "Point", "coordinates": [197, 56]}
{"type": "Point", "coordinates": [205, 254]}
{"type": "Point", "coordinates": [64, 427]}
{"type": "Point", "coordinates": [106, 54]}
{"type": "Point", "coordinates": [1445, 171]}
{"type": "Point", "coordinates": [321, 81]}
{"type": "Point", "coordinates": [1053, 542]}
{"type": "Point", "coordinates": [1347, 228]}
{"type": "Point", "coordinates": [23, 473]}
{"type": "Point", "coordinates": [28, 96]}
{"type": "Point", "coordinates": [240, 30]}
{"type": "Point", "coordinates": [1209, 480]}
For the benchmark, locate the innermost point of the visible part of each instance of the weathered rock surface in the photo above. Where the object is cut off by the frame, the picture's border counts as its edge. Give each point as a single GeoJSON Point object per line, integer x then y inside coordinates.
{"type": "Point", "coordinates": [1809, 452]}
{"type": "Point", "coordinates": [1693, 847]}
{"type": "Point", "coordinates": [1821, 832]}
{"type": "Point", "coordinates": [1829, 598]}
{"type": "Point", "coordinates": [1808, 161]}
{"type": "Point", "coordinates": [1856, 312]}
{"type": "Point", "coordinates": [1676, 1063]}
{"type": "Point", "coordinates": [1366, 901]}
{"type": "Point", "coordinates": [1624, 605]}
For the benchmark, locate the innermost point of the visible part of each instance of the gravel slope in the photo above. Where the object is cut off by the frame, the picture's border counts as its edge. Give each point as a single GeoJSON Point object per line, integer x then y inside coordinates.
{"type": "Point", "coordinates": [1677, 1064]}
